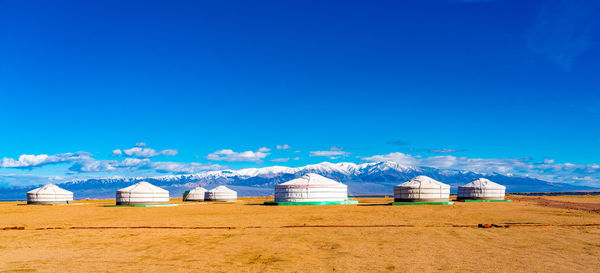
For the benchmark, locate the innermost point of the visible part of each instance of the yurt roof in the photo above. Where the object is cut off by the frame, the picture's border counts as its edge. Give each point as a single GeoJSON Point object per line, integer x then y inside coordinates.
{"type": "Point", "coordinates": [483, 183]}
{"type": "Point", "coordinates": [311, 179]}
{"type": "Point", "coordinates": [198, 189]}
{"type": "Point", "coordinates": [143, 187]}
{"type": "Point", "coordinates": [422, 181]}
{"type": "Point", "coordinates": [221, 189]}
{"type": "Point", "coordinates": [50, 188]}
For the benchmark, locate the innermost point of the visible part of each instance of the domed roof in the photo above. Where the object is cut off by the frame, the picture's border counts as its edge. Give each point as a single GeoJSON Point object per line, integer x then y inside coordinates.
{"type": "Point", "coordinates": [221, 189]}
{"type": "Point", "coordinates": [197, 190]}
{"type": "Point", "coordinates": [311, 180]}
{"type": "Point", "coordinates": [143, 187]}
{"type": "Point", "coordinates": [49, 189]}
{"type": "Point", "coordinates": [482, 183]}
{"type": "Point", "coordinates": [422, 181]}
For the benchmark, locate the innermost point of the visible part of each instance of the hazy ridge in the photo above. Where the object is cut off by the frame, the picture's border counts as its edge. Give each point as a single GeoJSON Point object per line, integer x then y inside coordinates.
{"type": "Point", "coordinates": [366, 178]}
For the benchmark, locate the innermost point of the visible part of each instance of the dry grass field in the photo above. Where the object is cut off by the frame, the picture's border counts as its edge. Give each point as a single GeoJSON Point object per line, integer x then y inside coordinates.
{"type": "Point", "coordinates": [547, 234]}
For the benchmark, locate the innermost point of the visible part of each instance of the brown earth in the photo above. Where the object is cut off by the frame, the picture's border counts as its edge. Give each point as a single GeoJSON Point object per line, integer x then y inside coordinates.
{"type": "Point", "coordinates": [546, 234]}
{"type": "Point", "coordinates": [578, 204]}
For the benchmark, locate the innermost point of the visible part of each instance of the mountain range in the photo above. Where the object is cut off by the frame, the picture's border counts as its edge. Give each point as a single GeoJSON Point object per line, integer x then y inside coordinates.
{"type": "Point", "coordinates": [362, 179]}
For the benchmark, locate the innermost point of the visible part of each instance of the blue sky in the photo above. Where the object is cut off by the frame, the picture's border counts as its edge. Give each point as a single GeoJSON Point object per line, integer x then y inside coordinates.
{"type": "Point", "coordinates": [506, 86]}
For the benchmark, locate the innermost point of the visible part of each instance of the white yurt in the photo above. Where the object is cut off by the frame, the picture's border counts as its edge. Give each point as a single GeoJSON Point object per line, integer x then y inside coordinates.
{"type": "Point", "coordinates": [195, 195]}
{"type": "Point", "coordinates": [422, 189]}
{"type": "Point", "coordinates": [481, 189]}
{"type": "Point", "coordinates": [49, 194]}
{"type": "Point", "coordinates": [311, 188]}
{"type": "Point", "coordinates": [220, 193]}
{"type": "Point", "coordinates": [142, 193]}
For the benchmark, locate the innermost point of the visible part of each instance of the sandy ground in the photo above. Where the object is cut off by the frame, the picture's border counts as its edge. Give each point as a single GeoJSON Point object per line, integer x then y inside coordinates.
{"type": "Point", "coordinates": [370, 237]}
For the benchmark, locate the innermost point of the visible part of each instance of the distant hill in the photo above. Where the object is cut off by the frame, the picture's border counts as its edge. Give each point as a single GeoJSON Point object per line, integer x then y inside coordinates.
{"type": "Point", "coordinates": [367, 179]}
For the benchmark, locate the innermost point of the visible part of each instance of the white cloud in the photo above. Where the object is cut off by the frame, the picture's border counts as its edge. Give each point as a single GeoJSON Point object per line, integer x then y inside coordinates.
{"type": "Point", "coordinates": [263, 149]}
{"type": "Point", "coordinates": [281, 159]}
{"type": "Point", "coordinates": [133, 164]}
{"type": "Point", "coordinates": [82, 162]}
{"type": "Point", "coordinates": [231, 156]}
{"type": "Point", "coordinates": [28, 179]}
{"type": "Point", "coordinates": [296, 158]}
{"type": "Point", "coordinates": [327, 153]}
{"type": "Point", "coordinates": [169, 152]}
{"type": "Point", "coordinates": [443, 151]}
{"type": "Point", "coordinates": [148, 152]}
{"type": "Point", "coordinates": [140, 144]}
{"type": "Point", "coordinates": [117, 152]}
{"type": "Point", "coordinates": [549, 170]}
{"type": "Point", "coordinates": [548, 161]}
{"type": "Point", "coordinates": [283, 147]}
{"type": "Point", "coordinates": [141, 152]}
{"type": "Point", "coordinates": [180, 167]}
{"type": "Point", "coordinates": [94, 166]}
{"type": "Point", "coordinates": [30, 161]}
{"type": "Point", "coordinates": [24, 161]}
{"type": "Point", "coordinates": [333, 152]}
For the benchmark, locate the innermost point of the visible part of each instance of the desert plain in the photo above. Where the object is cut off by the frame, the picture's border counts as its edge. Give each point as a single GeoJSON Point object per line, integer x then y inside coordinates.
{"type": "Point", "coordinates": [532, 234]}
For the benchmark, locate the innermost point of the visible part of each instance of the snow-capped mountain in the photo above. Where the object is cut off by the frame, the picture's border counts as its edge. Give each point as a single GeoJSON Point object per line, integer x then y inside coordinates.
{"type": "Point", "coordinates": [366, 178]}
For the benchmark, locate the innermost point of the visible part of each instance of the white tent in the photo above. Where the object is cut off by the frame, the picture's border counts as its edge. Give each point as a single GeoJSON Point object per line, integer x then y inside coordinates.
{"type": "Point", "coordinates": [481, 189]}
{"type": "Point", "coordinates": [49, 194]}
{"type": "Point", "coordinates": [422, 189]}
{"type": "Point", "coordinates": [220, 193]}
{"type": "Point", "coordinates": [195, 194]}
{"type": "Point", "coordinates": [142, 193]}
{"type": "Point", "coordinates": [311, 188]}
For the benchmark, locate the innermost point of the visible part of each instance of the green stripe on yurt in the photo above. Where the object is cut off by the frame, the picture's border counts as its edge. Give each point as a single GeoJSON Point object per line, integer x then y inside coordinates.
{"type": "Point", "coordinates": [185, 195]}
{"type": "Point", "coordinates": [143, 206]}
{"type": "Point", "coordinates": [421, 203]}
{"type": "Point", "coordinates": [507, 200]}
{"type": "Point", "coordinates": [348, 202]}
